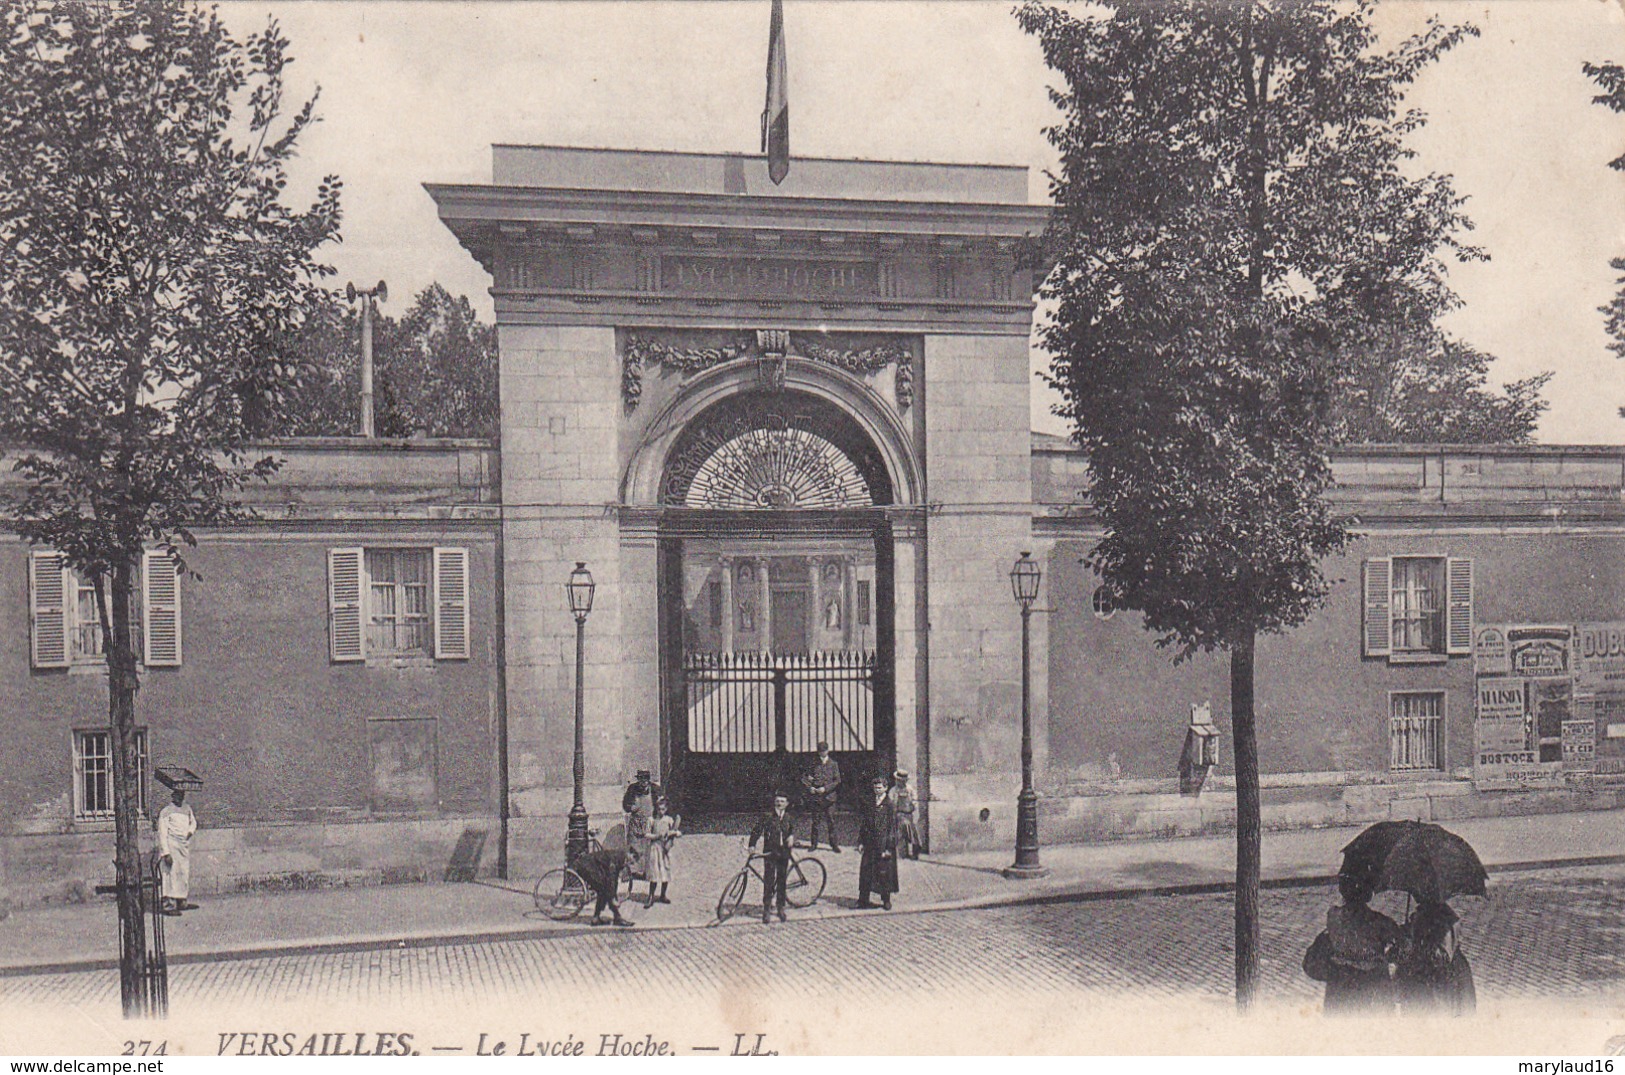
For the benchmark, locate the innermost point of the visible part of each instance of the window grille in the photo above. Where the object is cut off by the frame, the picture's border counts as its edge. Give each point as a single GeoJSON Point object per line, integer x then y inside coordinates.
{"type": "Point", "coordinates": [93, 774]}
{"type": "Point", "coordinates": [1416, 731]}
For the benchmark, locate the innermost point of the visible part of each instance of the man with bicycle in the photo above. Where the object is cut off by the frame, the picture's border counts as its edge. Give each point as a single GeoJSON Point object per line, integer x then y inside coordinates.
{"type": "Point", "coordinates": [777, 836]}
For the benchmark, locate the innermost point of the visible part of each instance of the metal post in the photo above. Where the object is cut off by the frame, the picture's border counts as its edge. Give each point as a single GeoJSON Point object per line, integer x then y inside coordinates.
{"type": "Point", "coordinates": [1026, 864]}
{"type": "Point", "coordinates": [575, 843]}
{"type": "Point", "coordinates": [366, 364]}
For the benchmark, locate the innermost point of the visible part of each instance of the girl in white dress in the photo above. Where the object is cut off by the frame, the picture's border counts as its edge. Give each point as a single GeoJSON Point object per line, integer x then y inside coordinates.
{"type": "Point", "coordinates": [663, 832]}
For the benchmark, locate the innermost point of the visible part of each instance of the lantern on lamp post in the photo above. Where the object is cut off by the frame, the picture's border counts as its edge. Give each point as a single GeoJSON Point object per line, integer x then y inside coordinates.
{"type": "Point", "coordinates": [1024, 579]}
{"type": "Point", "coordinates": [579, 590]}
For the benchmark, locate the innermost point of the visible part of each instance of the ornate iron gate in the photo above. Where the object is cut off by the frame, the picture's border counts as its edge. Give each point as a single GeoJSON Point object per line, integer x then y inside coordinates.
{"type": "Point", "coordinates": [762, 703]}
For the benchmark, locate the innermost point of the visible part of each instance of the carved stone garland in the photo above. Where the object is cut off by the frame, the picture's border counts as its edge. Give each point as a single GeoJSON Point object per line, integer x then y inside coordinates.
{"type": "Point", "coordinates": [643, 351]}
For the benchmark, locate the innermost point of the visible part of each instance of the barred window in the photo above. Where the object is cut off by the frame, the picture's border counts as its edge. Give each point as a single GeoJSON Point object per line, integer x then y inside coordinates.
{"type": "Point", "coordinates": [93, 773]}
{"type": "Point", "coordinates": [1416, 731]}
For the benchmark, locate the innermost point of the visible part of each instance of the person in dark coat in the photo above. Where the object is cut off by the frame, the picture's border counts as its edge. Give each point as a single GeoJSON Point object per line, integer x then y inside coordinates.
{"type": "Point", "coordinates": [879, 834]}
{"type": "Point", "coordinates": [822, 782]}
{"type": "Point", "coordinates": [601, 870]}
{"type": "Point", "coordinates": [1363, 943]}
{"type": "Point", "coordinates": [777, 834]}
{"type": "Point", "coordinates": [1433, 976]}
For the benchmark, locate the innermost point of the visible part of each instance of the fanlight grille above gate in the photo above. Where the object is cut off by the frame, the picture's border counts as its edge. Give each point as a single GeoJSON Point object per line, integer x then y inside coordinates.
{"type": "Point", "coordinates": [774, 452]}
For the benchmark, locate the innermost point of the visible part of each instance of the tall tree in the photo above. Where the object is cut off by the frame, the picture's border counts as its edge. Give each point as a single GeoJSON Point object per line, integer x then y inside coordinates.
{"type": "Point", "coordinates": [435, 369]}
{"type": "Point", "coordinates": [1230, 174]}
{"type": "Point", "coordinates": [1610, 78]}
{"type": "Point", "coordinates": [148, 267]}
{"type": "Point", "coordinates": [438, 371]}
{"type": "Point", "coordinates": [1402, 380]}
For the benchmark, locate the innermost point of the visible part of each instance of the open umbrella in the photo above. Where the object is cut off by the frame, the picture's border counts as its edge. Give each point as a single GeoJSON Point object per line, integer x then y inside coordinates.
{"type": "Point", "coordinates": [1429, 862]}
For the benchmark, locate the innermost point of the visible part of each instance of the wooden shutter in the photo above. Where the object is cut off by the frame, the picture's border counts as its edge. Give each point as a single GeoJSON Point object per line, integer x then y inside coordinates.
{"type": "Point", "coordinates": [161, 608]}
{"type": "Point", "coordinates": [48, 590]}
{"type": "Point", "coordinates": [345, 587]}
{"type": "Point", "coordinates": [1379, 604]}
{"type": "Point", "coordinates": [1459, 618]}
{"type": "Point", "coordinates": [451, 603]}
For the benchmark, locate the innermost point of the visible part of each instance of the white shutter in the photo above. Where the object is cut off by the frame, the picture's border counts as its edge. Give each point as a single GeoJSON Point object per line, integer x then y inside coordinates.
{"type": "Point", "coordinates": [345, 587]}
{"type": "Point", "coordinates": [161, 608]}
{"type": "Point", "coordinates": [1379, 604]}
{"type": "Point", "coordinates": [451, 603]}
{"type": "Point", "coordinates": [48, 590]}
{"type": "Point", "coordinates": [1459, 623]}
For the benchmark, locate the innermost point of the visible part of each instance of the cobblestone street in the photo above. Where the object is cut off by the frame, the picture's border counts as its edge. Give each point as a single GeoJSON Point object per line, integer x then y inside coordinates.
{"type": "Point", "coordinates": [1553, 936]}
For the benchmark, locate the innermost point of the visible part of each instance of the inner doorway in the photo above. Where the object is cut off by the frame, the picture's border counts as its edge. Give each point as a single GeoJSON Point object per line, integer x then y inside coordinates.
{"type": "Point", "coordinates": [776, 591]}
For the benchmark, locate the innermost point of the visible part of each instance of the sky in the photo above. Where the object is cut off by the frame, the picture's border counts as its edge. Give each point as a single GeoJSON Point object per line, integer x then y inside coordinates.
{"type": "Point", "coordinates": [418, 92]}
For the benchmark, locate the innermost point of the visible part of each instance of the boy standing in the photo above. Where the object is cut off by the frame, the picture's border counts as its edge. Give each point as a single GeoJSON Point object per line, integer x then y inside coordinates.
{"type": "Point", "coordinates": [777, 836]}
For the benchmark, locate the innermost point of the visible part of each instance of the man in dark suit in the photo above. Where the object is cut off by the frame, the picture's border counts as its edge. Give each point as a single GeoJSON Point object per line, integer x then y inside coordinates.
{"type": "Point", "coordinates": [777, 835]}
{"type": "Point", "coordinates": [822, 782]}
{"type": "Point", "coordinates": [879, 837]}
{"type": "Point", "coordinates": [601, 870]}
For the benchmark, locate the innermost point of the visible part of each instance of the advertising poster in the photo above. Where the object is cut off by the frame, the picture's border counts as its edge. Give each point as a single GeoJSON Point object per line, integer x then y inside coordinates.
{"type": "Point", "coordinates": [1599, 694]}
{"type": "Point", "coordinates": [1491, 657]}
{"type": "Point", "coordinates": [1543, 651]}
{"type": "Point", "coordinates": [1527, 731]}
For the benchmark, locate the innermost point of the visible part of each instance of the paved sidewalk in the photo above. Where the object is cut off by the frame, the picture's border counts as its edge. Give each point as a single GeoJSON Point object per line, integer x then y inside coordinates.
{"type": "Point", "coordinates": [85, 936]}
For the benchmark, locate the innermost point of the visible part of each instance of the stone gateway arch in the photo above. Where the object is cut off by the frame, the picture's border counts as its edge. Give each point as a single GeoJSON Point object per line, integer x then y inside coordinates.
{"type": "Point", "coordinates": [786, 427]}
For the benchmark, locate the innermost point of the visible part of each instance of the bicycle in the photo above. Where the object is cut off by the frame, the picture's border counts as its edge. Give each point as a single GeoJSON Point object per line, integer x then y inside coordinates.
{"type": "Point", "coordinates": [560, 894]}
{"type": "Point", "coordinates": [804, 880]}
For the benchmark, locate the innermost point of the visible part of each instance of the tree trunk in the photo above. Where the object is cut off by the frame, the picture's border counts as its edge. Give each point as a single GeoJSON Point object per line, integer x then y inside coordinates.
{"type": "Point", "coordinates": [122, 684]}
{"type": "Point", "coordinates": [1248, 822]}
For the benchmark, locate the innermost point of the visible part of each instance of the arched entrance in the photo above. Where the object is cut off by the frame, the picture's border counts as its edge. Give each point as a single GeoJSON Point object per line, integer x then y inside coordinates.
{"type": "Point", "coordinates": [777, 603]}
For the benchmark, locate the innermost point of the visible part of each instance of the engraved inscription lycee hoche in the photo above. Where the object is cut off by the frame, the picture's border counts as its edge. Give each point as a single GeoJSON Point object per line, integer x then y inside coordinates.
{"type": "Point", "coordinates": [767, 276]}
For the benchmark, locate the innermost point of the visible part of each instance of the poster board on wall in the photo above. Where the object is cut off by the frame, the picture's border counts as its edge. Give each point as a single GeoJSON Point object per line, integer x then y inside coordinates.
{"type": "Point", "coordinates": [1599, 696]}
{"type": "Point", "coordinates": [1524, 697]}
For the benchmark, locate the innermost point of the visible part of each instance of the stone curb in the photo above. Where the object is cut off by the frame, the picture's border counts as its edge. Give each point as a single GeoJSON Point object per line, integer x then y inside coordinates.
{"type": "Point", "coordinates": [322, 946]}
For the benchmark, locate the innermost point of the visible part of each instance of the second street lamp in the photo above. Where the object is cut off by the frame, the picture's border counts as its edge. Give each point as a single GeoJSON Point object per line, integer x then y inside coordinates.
{"type": "Point", "coordinates": [1024, 579]}
{"type": "Point", "coordinates": [580, 590]}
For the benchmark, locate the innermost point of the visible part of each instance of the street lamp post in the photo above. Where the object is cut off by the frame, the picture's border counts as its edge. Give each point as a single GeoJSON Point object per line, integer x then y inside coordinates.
{"type": "Point", "coordinates": [1024, 579]}
{"type": "Point", "coordinates": [580, 590]}
{"type": "Point", "coordinates": [370, 297]}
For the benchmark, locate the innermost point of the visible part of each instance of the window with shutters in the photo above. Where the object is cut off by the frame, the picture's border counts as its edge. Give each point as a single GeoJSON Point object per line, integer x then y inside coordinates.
{"type": "Point", "coordinates": [93, 773]}
{"type": "Point", "coordinates": [394, 604]}
{"type": "Point", "coordinates": [398, 619]}
{"type": "Point", "coordinates": [66, 622]}
{"type": "Point", "coordinates": [1418, 608]}
{"type": "Point", "coordinates": [1416, 731]}
{"type": "Point", "coordinates": [1418, 604]}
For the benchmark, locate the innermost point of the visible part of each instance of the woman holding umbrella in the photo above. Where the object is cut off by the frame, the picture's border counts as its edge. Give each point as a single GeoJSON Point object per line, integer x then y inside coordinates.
{"type": "Point", "coordinates": [1432, 865]}
{"type": "Point", "coordinates": [1363, 942]}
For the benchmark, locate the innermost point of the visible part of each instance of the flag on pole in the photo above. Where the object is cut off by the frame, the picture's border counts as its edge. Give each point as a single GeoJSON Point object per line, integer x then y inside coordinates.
{"type": "Point", "coordinates": [776, 116]}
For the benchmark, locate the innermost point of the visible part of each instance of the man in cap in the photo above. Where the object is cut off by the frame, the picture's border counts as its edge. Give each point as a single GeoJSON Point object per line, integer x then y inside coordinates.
{"type": "Point", "coordinates": [777, 835]}
{"type": "Point", "coordinates": [821, 783]}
